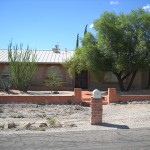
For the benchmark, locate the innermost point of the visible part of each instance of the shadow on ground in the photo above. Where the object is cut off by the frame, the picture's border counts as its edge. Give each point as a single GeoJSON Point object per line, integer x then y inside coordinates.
{"type": "Point", "coordinates": [117, 126]}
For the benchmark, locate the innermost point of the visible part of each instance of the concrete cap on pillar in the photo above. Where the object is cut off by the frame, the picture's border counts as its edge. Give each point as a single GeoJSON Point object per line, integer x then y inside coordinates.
{"type": "Point", "coordinates": [96, 94]}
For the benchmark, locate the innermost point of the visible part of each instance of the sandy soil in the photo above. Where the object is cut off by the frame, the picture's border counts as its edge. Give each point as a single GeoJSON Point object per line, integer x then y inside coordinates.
{"type": "Point", "coordinates": [17, 92]}
{"type": "Point", "coordinates": [24, 118]}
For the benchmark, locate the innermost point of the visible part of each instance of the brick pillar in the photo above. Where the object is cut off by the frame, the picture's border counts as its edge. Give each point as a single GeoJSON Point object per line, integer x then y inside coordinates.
{"type": "Point", "coordinates": [111, 94]}
{"type": "Point", "coordinates": [78, 95]}
{"type": "Point", "coordinates": [96, 111]}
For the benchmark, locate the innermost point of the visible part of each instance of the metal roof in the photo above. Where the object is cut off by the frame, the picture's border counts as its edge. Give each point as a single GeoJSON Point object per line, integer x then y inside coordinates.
{"type": "Point", "coordinates": [44, 56]}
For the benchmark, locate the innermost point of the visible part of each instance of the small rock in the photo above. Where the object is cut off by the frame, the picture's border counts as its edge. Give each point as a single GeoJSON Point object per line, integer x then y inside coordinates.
{"type": "Point", "coordinates": [43, 125]}
{"type": "Point", "coordinates": [41, 129]}
{"type": "Point", "coordinates": [73, 125]}
{"type": "Point", "coordinates": [55, 92]}
{"type": "Point", "coordinates": [28, 126]}
{"type": "Point", "coordinates": [2, 126]}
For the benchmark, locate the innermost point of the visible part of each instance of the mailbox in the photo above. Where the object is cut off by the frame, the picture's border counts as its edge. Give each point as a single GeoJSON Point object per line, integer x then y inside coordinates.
{"type": "Point", "coordinates": [96, 94]}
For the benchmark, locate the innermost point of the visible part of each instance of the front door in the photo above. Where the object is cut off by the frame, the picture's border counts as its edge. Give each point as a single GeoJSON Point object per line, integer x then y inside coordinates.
{"type": "Point", "coordinates": [81, 80]}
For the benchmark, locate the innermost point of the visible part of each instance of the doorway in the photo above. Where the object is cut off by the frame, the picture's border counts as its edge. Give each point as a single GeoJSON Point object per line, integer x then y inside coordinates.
{"type": "Point", "coordinates": [81, 80]}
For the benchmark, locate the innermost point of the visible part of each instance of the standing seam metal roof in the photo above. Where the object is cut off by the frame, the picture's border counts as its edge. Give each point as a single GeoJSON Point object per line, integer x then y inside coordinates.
{"type": "Point", "coordinates": [44, 56]}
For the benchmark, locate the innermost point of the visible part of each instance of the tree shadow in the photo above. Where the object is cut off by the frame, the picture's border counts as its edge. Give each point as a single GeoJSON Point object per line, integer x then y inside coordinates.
{"type": "Point", "coordinates": [117, 126]}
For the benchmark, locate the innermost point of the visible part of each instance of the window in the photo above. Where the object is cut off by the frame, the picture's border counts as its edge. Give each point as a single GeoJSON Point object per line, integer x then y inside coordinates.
{"type": "Point", "coordinates": [110, 77]}
{"type": "Point", "coordinates": [5, 79]}
{"type": "Point", "coordinates": [56, 70]}
{"type": "Point", "coordinates": [68, 78]}
{"type": "Point", "coordinates": [5, 71]}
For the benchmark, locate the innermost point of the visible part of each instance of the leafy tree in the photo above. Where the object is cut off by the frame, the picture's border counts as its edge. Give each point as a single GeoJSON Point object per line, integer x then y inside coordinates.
{"type": "Point", "coordinates": [80, 60]}
{"type": "Point", "coordinates": [22, 66]}
{"type": "Point", "coordinates": [53, 81]}
{"type": "Point", "coordinates": [120, 46]}
{"type": "Point", "coordinates": [77, 40]}
{"type": "Point", "coordinates": [123, 39]}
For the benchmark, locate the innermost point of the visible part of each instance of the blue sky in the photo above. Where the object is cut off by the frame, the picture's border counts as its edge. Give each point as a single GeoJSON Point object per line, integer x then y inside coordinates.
{"type": "Point", "coordinates": [43, 23]}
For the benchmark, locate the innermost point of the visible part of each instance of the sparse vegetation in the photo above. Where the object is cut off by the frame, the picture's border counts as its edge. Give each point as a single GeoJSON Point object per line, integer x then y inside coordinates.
{"type": "Point", "coordinates": [11, 125]}
{"type": "Point", "coordinates": [33, 117]}
{"type": "Point", "coordinates": [53, 81]}
{"type": "Point", "coordinates": [51, 121]}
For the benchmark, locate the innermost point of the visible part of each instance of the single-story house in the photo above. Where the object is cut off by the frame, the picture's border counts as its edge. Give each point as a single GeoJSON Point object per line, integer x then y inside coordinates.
{"type": "Point", "coordinates": [51, 61]}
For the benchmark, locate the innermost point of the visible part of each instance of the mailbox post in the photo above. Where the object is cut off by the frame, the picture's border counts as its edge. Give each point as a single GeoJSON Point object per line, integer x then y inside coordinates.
{"type": "Point", "coordinates": [96, 107]}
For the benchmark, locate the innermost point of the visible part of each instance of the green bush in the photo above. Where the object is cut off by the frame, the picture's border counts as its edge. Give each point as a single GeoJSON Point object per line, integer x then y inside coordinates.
{"type": "Point", "coordinates": [53, 81]}
{"type": "Point", "coordinates": [22, 66]}
{"type": "Point", "coordinates": [52, 121]}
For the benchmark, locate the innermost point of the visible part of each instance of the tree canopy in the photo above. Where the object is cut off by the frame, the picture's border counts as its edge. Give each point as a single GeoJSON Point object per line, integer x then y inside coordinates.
{"type": "Point", "coordinates": [121, 45]}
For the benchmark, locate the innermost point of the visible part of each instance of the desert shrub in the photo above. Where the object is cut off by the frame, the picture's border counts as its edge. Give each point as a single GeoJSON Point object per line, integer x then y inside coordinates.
{"type": "Point", "coordinates": [11, 125]}
{"type": "Point", "coordinates": [51, 121]}
{"type": "Point", "coordinates": [53, 81]}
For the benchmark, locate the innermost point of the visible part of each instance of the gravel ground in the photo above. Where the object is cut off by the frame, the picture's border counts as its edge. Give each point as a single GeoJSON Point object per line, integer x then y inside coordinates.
{"type": "Point", "coordinates": [24, 118]}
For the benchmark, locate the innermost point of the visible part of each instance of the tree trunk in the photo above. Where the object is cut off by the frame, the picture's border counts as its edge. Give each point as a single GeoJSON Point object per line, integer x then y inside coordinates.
{"type": "Point", "coordinates": [121, 79]}
{"type": "Point", "coordinates": [121, 86]}
{"type": "Point", "coordinates": [131, 81]}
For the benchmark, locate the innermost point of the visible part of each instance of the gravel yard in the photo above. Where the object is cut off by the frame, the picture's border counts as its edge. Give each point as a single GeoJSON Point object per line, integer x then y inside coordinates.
{"type": "Point", "coordinates": [26, 118]}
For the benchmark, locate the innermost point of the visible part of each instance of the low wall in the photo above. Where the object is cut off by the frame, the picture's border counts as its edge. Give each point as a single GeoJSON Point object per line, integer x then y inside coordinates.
{"type": "Point", "coordinates": [75, 98]}
{"type": "Point", "coordinates": [59, 99]}
{"type": "Point", "coordinates": [113, 97]}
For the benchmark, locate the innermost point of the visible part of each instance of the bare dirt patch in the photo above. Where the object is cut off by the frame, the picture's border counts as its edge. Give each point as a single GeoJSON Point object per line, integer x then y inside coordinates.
{"type": "Point", "coordinates": [24, 118]}
{"type": "Point", "coordinates": [17, 92]}
{"type": "Point", "coordinates": [33, 117]}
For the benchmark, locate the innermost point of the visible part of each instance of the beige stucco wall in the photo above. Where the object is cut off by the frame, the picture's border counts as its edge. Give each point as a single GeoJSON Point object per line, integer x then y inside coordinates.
{"type": "Point", "coordinates": [145, 78]}
{"type": "Point", "coordinates": [102, 84]}
{"type": "Point", "coordinates": [137, 83]}
{"type": "Point", "coordinates": [42, 71]}
{"type": "Point", "coordinates": [37, 79]}
{"type": "Point", "coordinates": [140, 80]}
